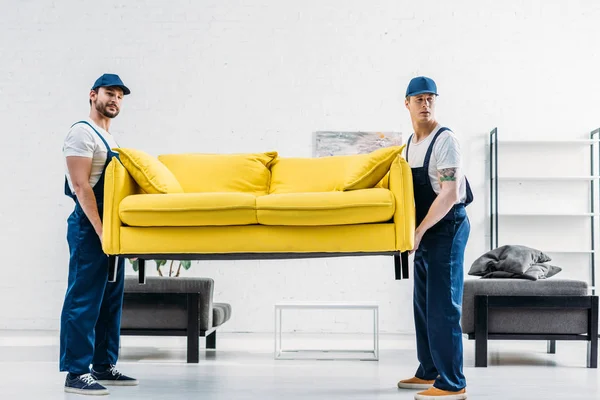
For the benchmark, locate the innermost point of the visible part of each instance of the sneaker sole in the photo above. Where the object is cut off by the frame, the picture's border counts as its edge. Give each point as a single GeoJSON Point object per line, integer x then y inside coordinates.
{"type": "Point", "coordinates": [417, 386]}
{"type": "Point", "coordinates": [461, 396]}
{"type": "Point", "coordinates": [118, 383]}
{"type": "Point", "coordinates": [88, 392]}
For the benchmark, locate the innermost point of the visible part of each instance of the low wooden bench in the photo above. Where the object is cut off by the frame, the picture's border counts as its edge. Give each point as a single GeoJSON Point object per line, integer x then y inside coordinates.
{"type": "Point", "coordinates": [180, 306]}
{"type": "Point", "coordinates": [518, 309]}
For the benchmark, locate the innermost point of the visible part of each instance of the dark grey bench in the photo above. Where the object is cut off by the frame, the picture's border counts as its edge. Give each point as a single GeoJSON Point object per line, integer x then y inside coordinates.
{"type": "Point", "coordinates": [180, 306]}
{"type": "Point", "coordinates": [518, 309]}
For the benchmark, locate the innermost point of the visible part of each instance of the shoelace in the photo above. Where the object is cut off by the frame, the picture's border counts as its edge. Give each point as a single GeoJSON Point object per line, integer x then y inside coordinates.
{"type": "Point", "coordinates": [88, 379]}
{"type": "Point", "coordinates": [114, 372]}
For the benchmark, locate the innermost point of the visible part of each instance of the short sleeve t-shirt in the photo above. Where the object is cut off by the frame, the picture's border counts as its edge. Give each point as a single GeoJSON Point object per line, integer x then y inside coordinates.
{"type": "Point", "coordinates": [446, 154]}
{"type": "Point", "coordinates": [82, 141]}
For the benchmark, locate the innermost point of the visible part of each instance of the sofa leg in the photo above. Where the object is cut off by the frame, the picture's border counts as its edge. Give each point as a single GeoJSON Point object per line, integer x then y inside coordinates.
{"type": "Point", "coordinates": [112, 268]}
{"type": "Point", "coordinates": [404, 258]}
{"type": "Point", "coordinates": [401, 265]}
{"type": "Point", "coordinates": [551, 347]}
{"type": "Point", "coordinates": [481, 331]}
{"type": "Point", "coordinates": [592, 350]}
{"type": "Point", "coordinates": [397, 266]}
{"type": "Point", "coordinates": [211, 340]}
{"type": "Point", "coordinates": [193, 332]}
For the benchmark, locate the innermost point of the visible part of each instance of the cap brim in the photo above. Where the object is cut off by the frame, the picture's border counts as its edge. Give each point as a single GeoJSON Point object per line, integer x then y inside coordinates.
{"type": "Point", "coordinates": [125, 89]}
{"type": "Point", "coordinates": [421, 92]}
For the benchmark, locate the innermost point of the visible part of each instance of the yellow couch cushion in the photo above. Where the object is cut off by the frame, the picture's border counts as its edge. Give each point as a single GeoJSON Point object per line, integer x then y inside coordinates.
{"type": "Point", "coordinates": [385, 182]}
{"type": "Point", "coordinates": [148, 172]}
{"type": "Point", "coordinates": [198, 173]}
{"type": "Point", "coordinates": [301, 175]}
{"type": "Point", "coordinates": [367, 170]}
{"type": "Point", "coordinates": [326, 208]}
{"type": "Point", "coordinates": [258, 239]}
{"type": "Point", "coordinates": [188, 209]}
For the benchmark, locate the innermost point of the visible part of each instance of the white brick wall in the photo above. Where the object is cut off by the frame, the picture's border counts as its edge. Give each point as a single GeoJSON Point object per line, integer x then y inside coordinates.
{"type": "Point", "coordinates": [241, 76]}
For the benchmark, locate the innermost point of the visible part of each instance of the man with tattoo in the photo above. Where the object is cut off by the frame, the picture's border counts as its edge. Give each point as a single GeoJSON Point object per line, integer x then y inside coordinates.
{"type": "Point", "coordinates": [442, 229]}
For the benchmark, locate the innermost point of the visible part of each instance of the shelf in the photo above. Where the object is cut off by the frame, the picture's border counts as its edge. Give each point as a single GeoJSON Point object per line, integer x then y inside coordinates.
{"type": "Point", "coordinates": [570, 251]}
{"type": "Point", "coordinates": [547, 178]}
{"type": "Point", "coordinates": [547, 214]}
{"type": "Point", "coordinates": [561, 251]}
{"type": "Point", "coordinates": [549, 141]}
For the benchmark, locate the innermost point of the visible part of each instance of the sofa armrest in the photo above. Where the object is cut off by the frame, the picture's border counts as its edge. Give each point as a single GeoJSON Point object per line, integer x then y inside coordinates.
{"type": "Point", "coordinates": [401, 185]}
{"type": "Point", "coordinates": [118, 184]}
{"type": "Point", "coordinates": [204, 287]}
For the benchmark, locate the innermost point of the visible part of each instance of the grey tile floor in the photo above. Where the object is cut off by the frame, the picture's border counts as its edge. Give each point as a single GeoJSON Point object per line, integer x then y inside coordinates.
{"type": "Point", "coordinates": [243, 367]}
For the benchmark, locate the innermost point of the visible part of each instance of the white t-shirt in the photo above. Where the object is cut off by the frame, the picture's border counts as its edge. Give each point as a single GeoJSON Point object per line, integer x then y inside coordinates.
{"type": "Point", "coordinates": [446, 154]}
{"type": "Point", "coordinates": [81, 140]}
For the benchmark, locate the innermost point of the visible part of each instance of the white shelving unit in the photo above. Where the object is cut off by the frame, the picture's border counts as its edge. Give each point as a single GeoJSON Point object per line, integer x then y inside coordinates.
{"type": "Point", "coordinates": [556, 182]}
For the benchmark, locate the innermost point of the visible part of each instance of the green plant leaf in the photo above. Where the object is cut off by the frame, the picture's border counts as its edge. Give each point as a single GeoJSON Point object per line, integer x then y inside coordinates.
{"type": "Point", "coordinates": [160, 263]}
{"type": "Point", "coordinates": [186, 264]}
{"type": "Point", "coordinates": [135, 265]}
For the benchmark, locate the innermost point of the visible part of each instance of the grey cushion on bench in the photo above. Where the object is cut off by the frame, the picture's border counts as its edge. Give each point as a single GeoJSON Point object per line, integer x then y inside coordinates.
{"type": "Point", "coordinates": [169, 313]}
{"type": "Point", "coordinates": [525, 320]}
{"type": "Point", "coordinates": [221, 313]}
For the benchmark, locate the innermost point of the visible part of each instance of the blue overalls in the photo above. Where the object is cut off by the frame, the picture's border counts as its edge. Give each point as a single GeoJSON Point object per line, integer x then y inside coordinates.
{"type": "Point", "coordinates": [438, 287]}
{"type": "Point", "coordinates": [91, 314]}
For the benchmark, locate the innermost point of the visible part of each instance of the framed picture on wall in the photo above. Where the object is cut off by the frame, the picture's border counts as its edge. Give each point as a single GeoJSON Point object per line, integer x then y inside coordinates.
{"type": "Point", "coordinates": [332, 143]}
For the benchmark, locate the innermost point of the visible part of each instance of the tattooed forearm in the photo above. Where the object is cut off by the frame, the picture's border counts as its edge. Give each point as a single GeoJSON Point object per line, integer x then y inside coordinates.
{"type": "Point", "coordinates": [447, 174]}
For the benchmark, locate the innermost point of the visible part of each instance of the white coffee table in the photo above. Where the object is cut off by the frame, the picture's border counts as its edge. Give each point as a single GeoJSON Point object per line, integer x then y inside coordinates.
{"type": "Point", "coordinates": [371, 354]}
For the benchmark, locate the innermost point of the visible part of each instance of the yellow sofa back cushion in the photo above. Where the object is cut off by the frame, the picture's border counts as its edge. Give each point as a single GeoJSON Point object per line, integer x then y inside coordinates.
{"type": "Point", "coordinates": [324, 174]}
{"type": "Point", "coordinates": [367, 170]}
{"type": "Point", "coordinates": [148, 172]}
{"type": "Point", "coordinates": [201, 173]}
{"type": "Point", "coordinates": [301, 175]}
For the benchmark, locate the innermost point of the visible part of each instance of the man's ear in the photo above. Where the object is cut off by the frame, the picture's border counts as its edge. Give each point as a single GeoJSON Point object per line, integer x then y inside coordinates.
{"type": "Point", "coordinates": [406, 100]}
{"type": "Point", "coordinates": [93, 95]}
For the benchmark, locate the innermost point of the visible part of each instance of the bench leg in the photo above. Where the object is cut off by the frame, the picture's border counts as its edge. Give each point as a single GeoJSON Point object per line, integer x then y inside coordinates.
{"type": "Point", "coordinates": [481, 331]}
{"type": "Point", "coordinates": [551, 347]}
{"type": "Point", "coordinates": [141, 271]}
{"type": "Point", "coordinates": [193, 332]}
{"type": "Point", "coordinates": [592, 350]}
{"type": "Point", "coordinates": [211, 340]}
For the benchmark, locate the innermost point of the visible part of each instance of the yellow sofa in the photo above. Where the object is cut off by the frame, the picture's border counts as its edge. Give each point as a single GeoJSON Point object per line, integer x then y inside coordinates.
{"type": "Point", "coordinates": [258, 206]}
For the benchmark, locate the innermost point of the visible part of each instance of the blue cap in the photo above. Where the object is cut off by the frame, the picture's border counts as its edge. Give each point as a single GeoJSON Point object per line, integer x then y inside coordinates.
{"type": "Point", "coordinates": [419, 85]}
{"type": "Point", "coordinates": [108, 80]}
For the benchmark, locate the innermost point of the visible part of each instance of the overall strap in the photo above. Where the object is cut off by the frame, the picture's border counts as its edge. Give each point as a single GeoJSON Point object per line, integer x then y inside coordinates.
{"type": "Point", "coordinates": [430, 149]}
{"type": "Point", "coordinates": [109, 153]}
{"type": "Point", "coordinates": [407, 146]}
{"type": "Point", "coordinates": [108, 149]}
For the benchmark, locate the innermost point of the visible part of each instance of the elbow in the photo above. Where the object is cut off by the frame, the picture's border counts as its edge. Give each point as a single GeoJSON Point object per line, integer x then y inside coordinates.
{"type": "Point", "coordinates": [79, 187]}
{"type": "Point", "coordinates": [454, 197]}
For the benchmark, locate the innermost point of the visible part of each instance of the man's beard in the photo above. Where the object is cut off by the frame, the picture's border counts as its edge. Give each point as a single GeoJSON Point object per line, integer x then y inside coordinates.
{"type": "Point", "coordinates": [101, 108]}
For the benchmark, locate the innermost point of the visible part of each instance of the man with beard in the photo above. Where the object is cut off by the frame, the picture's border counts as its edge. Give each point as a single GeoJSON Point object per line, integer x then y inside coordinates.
{"type": "Point", "coordinates": [91, 314]}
